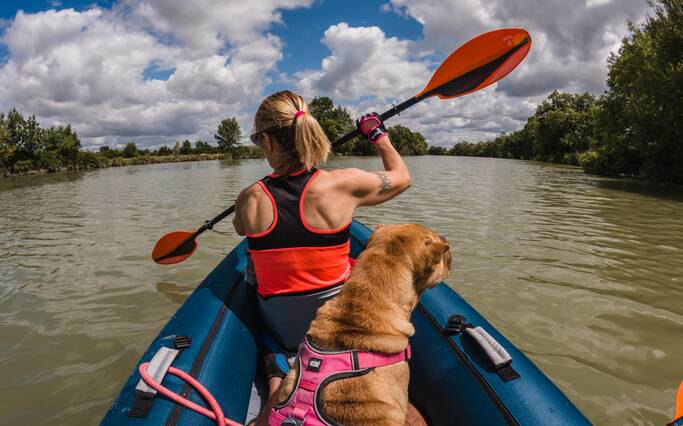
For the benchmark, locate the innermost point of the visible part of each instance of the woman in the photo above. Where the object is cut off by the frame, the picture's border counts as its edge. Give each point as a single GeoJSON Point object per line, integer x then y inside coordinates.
{"type": "Point", "coordinates": [297, 218]}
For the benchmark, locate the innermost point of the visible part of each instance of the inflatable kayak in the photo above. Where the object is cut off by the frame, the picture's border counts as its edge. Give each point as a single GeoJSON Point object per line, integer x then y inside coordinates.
{"type": "Point", "coordinates": [463, 371]}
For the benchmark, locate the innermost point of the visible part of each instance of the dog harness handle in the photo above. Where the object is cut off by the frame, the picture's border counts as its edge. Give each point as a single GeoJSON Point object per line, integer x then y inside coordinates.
{"type": "Point", "coordinates": [318, 367]}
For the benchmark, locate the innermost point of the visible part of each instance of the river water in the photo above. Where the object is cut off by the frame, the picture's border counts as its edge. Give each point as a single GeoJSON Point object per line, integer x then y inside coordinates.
{"type": "Point", "coordinates": [583, 273]}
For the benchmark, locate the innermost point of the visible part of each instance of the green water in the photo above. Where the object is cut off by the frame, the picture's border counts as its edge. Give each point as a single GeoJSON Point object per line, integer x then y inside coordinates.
{"type": "Point", "coordinates": [584, 274]}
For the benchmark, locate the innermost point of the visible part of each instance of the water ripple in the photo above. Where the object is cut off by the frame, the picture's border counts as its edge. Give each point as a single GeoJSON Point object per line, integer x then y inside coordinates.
{"type": "Point", "coordinates": [583, 273]}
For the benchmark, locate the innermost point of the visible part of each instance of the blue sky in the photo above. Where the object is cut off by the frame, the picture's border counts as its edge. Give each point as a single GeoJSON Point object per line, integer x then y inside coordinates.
{"type": "Point", "coordinates": [9, 8]}
{"type": "Point", "coordinates": [155, 71]}
{"type": "Point", "coordinates": [301, 29]}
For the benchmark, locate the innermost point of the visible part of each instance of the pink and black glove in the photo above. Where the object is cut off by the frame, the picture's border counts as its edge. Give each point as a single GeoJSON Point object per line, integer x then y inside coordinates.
{"type": "Point", "coordinates": [372, 127]}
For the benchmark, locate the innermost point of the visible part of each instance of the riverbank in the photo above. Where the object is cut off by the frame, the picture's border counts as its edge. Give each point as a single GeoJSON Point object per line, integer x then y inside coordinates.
{"type": "Point", "coordinates": [102, 162]}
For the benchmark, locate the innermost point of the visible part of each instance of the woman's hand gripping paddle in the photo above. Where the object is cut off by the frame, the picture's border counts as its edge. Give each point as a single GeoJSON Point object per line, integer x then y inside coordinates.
{"type": "Point", "coordinates": [476, 64]}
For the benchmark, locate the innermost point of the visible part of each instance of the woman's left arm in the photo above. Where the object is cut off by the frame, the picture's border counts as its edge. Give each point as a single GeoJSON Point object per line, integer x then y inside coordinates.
{"type": "Point", "coordinates": [238, 218]}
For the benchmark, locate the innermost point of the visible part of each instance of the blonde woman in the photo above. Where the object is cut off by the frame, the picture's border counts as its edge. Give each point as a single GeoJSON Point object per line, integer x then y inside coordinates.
{"type": "Point", "coordinates": [297, 218]}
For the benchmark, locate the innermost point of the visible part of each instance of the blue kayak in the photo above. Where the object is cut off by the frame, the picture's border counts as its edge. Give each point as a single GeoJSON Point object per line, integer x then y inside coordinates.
{"type": "Point", "coordinates": [453, 381]}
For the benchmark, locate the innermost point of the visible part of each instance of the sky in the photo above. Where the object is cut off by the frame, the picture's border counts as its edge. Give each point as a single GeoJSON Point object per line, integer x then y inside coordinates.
{"type": "Point", "coordinates": [157, 71]}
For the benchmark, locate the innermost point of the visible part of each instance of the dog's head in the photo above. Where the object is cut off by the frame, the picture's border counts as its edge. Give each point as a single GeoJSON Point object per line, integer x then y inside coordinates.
{"type": "Point", "coordinates": [421, 249]}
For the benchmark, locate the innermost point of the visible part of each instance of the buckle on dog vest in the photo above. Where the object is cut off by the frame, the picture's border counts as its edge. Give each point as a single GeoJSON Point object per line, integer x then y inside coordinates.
{"type": "Point", "coordinates": [291, 421]}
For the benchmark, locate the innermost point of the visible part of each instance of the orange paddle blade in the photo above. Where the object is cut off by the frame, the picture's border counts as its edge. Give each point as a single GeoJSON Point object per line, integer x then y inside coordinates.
{"type": "Point", "coordinates": [679, 403]}
{"type": "Point", "coordinates": [174, 247]}
{"type": "Point", "coordinates": [479, 63]}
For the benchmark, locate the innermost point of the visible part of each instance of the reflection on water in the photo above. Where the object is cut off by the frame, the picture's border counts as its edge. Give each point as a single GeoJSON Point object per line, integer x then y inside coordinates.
{"type": "Point", "coordinates": [582, 273]}
{"type": "Point", "coordinates": [174, 292]}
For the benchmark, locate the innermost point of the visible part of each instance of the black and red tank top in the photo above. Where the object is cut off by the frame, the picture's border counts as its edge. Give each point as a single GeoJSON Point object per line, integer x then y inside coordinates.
{"type": "Point", "coordinates": [291, 256]}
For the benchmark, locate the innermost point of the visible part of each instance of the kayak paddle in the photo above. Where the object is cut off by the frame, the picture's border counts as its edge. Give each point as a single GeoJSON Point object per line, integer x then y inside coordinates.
{"type": "Point", "coordinates": [476, 64]}
{"type": "Point", "coordinates": [678, 411]}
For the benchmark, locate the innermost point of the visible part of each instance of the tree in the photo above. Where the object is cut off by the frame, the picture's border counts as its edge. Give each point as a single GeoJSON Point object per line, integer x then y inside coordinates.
{"type": "Point", "coordinates": [186, 147]}
{"type": "Point", "coordinates": [26, 137]}
{"type": "Point", "coordinates": [228, 134]}
{"type": "Point", "coordinates": [437, 150]}
{"type": "Point", "coordinates": [6, 148]}
{"type": "Point", "coordinates": [335, 121]}
{"type": "Point", "coordinates": [565, 125]}
{"type": "Point", "coordinates": [642, 112]}
{"type": "Point", "coordinates": [406, 141]}
{"type": "Point", "coordinates": [164, 150]}
{"type": "Point", "coordinates": [201, 147]}
{"type": "Point", "coordinates": [64, 142]}
{"type": "Point", "coordinates": [130, 150]}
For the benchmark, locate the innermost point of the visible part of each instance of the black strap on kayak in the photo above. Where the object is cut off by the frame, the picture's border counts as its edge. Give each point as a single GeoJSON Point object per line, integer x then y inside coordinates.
{"type": "Point", "coordinates": [158, 367]}
{"type": "Point", "coordinates": [494, 351]}
{"type": "Point", "coordinates": [144, 395]}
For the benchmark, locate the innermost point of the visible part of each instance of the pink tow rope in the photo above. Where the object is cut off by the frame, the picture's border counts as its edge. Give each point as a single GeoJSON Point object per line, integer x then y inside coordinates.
{"type": "Point", "coordinates": [215, 413]}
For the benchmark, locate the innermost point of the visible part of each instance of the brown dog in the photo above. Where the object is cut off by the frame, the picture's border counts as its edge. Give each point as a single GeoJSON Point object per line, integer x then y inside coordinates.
{"type": "Point", "coordinates": [372, 313]}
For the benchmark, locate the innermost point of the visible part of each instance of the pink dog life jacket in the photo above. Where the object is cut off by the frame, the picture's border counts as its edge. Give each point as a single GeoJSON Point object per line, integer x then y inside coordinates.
{"type": "Point", "coordinates": [317, 368]}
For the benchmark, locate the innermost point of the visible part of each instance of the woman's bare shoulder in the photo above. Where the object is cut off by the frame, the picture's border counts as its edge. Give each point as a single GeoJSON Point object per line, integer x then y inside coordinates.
{"type": "Point", "coordinates": [251, 196]}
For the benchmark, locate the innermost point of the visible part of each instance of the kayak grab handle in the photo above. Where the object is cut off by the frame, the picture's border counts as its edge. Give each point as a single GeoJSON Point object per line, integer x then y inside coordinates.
{"type": "Point", "coordinates": [496, 353]}
{"type": "Point", "coordinates": [157, 368]}
{"type": "Point", "coordinates": [153, 373]}
{"type": "Point", "coordinates": [144, 395]}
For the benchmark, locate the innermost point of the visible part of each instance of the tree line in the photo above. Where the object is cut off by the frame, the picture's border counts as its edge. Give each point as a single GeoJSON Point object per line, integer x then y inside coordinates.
{"type": "Point", "coordinates": [26, 147]}
{"type": "Point", "coordinates": [634, 129]}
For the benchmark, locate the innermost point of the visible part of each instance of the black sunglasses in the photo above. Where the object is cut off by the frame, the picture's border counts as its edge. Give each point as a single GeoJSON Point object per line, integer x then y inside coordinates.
{"type": "Point", "coordinates": [256, 137]}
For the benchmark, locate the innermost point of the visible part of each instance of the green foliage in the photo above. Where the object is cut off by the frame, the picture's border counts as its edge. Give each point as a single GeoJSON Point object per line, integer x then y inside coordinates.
{"type": "Point", "coordinates": [201, 147]}
{"type": "Point", "coordinates": [23, 166]}
{"type": "Point", "coordinates": [437, 150]}
{"type": "Point", "coordinates": [633, 130]}
{"type": "Point", "coordinates": [642, 109]}
{"type": "Point", "coordinates": [186, 147]}
{"type": "Point", "coordinates": [242, 152]}
{"type": "Point", "coordinates": [406, 141]}
{"type": "Point", "coordinates": [6, 149]}
{"type": "Point", "coordinates": [26, 147]}
{"type": "Point", "coordinates": [118, 162]}
{"type": "Point", "coordinates": [64, 143]}
{"type": "Point", "coordinates": [130, 150]}
{"type": "Point", "coordinates": [228, 134]}
{"type": "Point", "coordinates": [164, 150]}
{"type": "Point", "coordinates": [89, 160]}
{"type": "Point", "coordinates": [335, 122]}
{"type": "Point", "coordinates": [50, 161]}
{"type": "Point", "coordinates": [564, 125]}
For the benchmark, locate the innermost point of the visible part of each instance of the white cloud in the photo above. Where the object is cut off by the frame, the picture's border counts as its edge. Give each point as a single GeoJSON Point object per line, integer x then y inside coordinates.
{"type": "Point", "coordinates": [364, 62]}
{"type": "Point", "coordinates": [572, 40]}
{"type": "Point", "coordinates": [88, 68]}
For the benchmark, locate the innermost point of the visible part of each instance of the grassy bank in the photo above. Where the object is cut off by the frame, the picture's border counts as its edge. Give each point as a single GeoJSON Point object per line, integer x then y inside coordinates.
{"type": "Point", "coordinates": [101, 162]}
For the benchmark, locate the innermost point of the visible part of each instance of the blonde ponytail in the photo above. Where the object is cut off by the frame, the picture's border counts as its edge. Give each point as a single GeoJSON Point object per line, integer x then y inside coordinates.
{"type": "Point", "coordinates": [299, 137]}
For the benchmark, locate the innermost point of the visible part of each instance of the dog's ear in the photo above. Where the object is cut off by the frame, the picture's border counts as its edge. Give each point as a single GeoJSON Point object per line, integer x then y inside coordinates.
{"type": "Point", "coordinates": [437, 249]}
{"type": "Point", "coordinates": [379, 227]}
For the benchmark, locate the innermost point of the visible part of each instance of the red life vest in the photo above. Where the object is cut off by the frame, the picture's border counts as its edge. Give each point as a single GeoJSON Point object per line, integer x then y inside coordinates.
{"type": "Point", "coordinates": [291, 256]}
